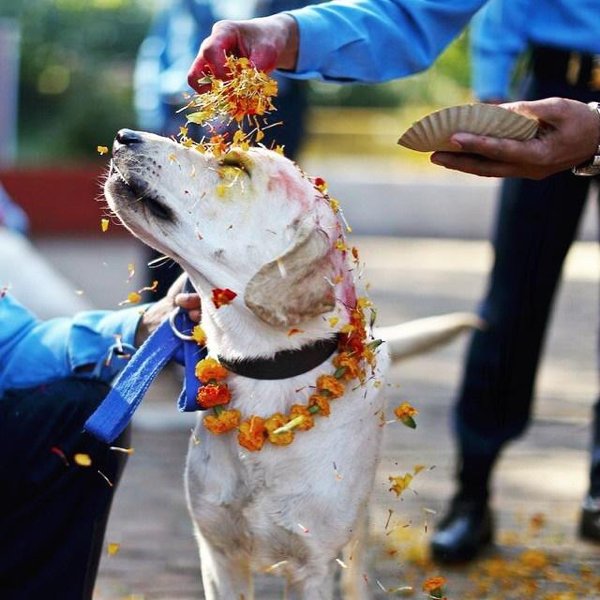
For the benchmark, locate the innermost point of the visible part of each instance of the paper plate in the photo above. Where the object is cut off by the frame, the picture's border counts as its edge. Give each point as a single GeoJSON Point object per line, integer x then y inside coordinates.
{"type": "Point", "coordinates": [433, 131]}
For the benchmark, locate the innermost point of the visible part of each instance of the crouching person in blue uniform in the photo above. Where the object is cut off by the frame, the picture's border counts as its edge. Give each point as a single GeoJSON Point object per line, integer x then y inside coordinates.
{"type": "Point", "coordinates": [57, 482]}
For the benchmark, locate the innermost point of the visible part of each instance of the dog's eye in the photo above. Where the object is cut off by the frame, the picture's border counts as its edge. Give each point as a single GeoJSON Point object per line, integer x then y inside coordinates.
{"type": "Point", "coordinates": [238, 161]}
{"type": "Point", "coordinates": [158, 209]}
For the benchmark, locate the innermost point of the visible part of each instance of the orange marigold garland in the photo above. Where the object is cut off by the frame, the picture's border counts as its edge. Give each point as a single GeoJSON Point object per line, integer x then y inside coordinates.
{"type": "Point", "coordinates": [353, 357]}
{"type": "Point", "coordinates": [223, 421]}
{"type": "Point", "coordinates": [252, 434]}
{"type": "Point", "coordinates": [320, 404]}
{"type": "Point", "coordinates": [302, 418]}
{"type": "Point", "coordinates": [210, 370]}
{"type": "Point", "coordinates": [276, 432]}
{"type": "Point", "coordinates": [213, 394]}
{"type": "Point", "coordinates": [330, 386]}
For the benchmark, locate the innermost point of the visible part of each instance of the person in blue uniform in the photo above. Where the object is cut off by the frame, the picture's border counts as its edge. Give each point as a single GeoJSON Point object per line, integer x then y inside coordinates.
{"type": "Point", "coordinates": [536, 223]}
{"type": "Point", "coordinates": [58, 482]}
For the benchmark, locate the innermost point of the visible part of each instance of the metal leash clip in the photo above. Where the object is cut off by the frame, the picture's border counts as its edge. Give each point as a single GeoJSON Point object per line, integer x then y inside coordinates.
{"type": "Point", "coordinates": [182, 336]}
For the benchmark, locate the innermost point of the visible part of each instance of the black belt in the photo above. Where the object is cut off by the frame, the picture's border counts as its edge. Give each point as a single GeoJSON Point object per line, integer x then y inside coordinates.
{"type": "Point", "coordinates": [577, 69]}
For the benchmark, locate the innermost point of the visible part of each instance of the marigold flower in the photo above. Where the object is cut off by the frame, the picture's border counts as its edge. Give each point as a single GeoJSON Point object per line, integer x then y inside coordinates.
{"type": "Point", "coordinates": [405, 413]}
{"type": "Point", "coordinates": [321, 184]}
{"type": "Point", "coordinates": [275, 422]}
{"type": "Point", "coordinates": [369, 355]}
{"type": "Point", "coordinates": [434, 584]}
{"type": "Point", "coordinates": [83, 460]}
{"type": "Point", "coordinates": [350, 364]}
{"type": "Point", "coordinates": [353, 341]}
{"type": "Point", "coordinates": [340, 245]}
{"type": "Point", "coordinates": [199, 335]}
{"type": "Point", "coordinates": [252, 434]}
{"type": "Point", "coordinates": [299, 410]}
{"type": "Point", "coordinates": [330, 384]}
{"type": "Point", "coordinates": [364, 302]}
{"type": "Point", "coordinates": [321, 403]}
{"type": "Point", "coordinates": [246, 94]}
{"type": "Point", "coordinates": [133, 297]}
{"type": "Point", "coordinates": [400, 483]}
{"type": "Point", "coordinates": [209, 369]}
{"type": "Point", "coordinates": [213, 394]}
{"type": "Point", "coordinates": [224, 421]}
{"type": "Point", "coordinates": [102, 150]}
{"type": "Point", "coordinates": [222, 297]}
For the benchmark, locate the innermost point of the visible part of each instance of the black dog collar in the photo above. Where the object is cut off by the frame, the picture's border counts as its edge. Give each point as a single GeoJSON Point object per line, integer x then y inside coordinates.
{"type": "Point", "coordinates": [284, 364]}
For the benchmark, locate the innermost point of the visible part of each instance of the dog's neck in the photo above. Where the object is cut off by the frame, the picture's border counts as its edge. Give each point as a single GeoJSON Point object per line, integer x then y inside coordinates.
{"type": "Point", "coordinates": [234, 332]}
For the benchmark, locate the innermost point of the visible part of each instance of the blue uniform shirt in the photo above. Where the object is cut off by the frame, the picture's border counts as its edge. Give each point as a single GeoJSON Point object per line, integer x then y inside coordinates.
{"type": "Point", "coordinates": [505, 28]}
{"type": "Point", "coordinates": [33, 352]}
{"type": "Point", "coordinates": [376, 40]}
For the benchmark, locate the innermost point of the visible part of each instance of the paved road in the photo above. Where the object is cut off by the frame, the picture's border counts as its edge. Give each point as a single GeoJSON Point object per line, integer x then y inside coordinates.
{"type": "Point", "coordinates": [544, 474]}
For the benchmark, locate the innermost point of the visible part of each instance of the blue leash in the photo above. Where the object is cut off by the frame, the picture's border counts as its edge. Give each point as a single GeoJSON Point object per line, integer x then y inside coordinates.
{"type": "Point", "coordinates": [168, 341]}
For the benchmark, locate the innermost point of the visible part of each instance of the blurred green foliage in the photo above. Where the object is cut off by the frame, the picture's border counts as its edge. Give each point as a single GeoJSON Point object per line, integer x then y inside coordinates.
{"type": "Point", "coordinates": [77, 59]}
{"type": "Point", "coordinates": [76, 73]}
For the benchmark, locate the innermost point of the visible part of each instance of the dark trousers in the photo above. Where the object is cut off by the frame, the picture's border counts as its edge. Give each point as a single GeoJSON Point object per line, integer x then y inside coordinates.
{"type": "Point", "coordinates": [535, 226]}
{"type": "Point", "coordinates": [53, 512]}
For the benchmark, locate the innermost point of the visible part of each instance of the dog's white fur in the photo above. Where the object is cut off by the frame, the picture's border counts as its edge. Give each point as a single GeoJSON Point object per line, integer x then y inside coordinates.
{"type": "Point", "coordinates": [257, 225]}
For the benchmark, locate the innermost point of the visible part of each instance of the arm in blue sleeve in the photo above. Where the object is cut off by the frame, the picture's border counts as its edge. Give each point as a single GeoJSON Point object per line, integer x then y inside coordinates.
{"type": "Point", "coordinates": [498, 36]}
{"type": "Point", "coordinates": [376, 40]}
{"type": "Point", "coordinates": [34, 352]}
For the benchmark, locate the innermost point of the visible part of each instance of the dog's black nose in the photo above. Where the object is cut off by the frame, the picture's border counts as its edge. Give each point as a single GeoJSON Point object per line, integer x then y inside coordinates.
{"type": "Point", "coordinates": [126, 137]}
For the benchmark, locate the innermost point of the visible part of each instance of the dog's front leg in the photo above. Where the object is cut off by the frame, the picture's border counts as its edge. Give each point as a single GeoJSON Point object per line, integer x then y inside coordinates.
{"type": "Point", "coordinates": [223, 577]}
{"type": "Point", "coordinates": [317, 584]}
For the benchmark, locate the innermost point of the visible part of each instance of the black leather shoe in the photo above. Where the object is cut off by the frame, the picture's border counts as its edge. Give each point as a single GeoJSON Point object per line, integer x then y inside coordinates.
{"type": "Point", "coordinates": [589, 522]}
{"type": "Point", "coordinates": [463, 532]}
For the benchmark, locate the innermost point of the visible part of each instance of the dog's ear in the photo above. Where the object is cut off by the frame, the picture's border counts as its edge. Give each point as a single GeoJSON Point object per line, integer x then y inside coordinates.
{"type": "Point", "coordinates": [296, 285]}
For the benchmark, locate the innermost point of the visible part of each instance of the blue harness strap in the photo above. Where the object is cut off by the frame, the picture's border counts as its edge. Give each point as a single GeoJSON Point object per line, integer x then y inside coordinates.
{"type": "Point", "coordinates": [116, 410]}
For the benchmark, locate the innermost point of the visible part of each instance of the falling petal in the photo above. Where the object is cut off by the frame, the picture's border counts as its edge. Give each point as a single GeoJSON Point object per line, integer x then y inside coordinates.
{"type": "Point", "coordinates": [83, 460]}
{"type": "Point", "coordinates": [113, 548]}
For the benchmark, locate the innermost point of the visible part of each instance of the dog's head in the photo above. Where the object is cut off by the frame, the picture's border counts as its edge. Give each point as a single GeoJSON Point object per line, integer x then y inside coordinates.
{"type": "Point", "coordinates": [250, 221]}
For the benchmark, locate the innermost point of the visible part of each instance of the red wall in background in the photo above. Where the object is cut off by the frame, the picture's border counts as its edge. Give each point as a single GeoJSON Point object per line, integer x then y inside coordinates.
{"type": "Point", "coordinates": [59, 200]}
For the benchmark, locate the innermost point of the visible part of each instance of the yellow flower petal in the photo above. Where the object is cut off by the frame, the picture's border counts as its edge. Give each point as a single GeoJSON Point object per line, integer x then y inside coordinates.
{"type": "Point", "coordinates": [83, 460]}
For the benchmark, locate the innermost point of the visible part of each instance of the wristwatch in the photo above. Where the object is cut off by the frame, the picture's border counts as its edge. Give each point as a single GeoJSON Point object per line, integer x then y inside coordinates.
{"type": "Point", "coordinates": [592, 166]}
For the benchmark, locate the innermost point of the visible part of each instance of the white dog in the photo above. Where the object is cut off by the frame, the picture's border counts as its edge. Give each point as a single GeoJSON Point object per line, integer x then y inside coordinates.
{"type": "Point", "coordinates": [253, 223]}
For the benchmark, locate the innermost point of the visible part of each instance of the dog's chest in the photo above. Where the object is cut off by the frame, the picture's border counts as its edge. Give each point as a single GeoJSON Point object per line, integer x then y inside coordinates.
{"type": "Point", "coordinates": [284, 497]}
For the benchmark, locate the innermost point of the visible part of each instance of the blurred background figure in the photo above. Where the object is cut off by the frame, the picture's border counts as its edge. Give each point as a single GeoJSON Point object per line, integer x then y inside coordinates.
{"type": "Point", "coordinates": [22, 269]}
{"type": "Point", "coordinates": [536, 224]}
{"type": "Point", "coordinates": [160, 81]}
{"type": "Point", "coordinates": [26, 273]}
